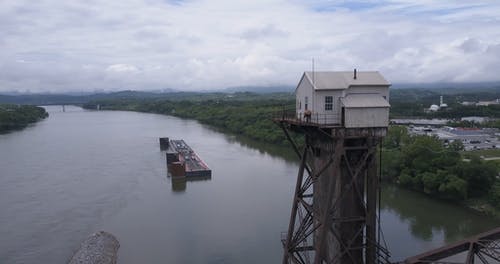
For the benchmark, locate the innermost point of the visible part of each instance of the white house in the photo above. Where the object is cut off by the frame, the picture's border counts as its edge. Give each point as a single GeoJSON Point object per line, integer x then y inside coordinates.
{"type": "Point", "coordinates": [349, 99]}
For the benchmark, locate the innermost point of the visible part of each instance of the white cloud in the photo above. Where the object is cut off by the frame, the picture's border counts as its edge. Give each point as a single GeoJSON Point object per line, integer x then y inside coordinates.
{"type": "Point", "coordinates": [51, 45]}
{"type": "Point", "coordinates": [122, 68]}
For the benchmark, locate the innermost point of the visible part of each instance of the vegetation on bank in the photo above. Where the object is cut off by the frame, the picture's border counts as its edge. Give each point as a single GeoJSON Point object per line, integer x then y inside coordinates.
{"type": "Point", "coordinates": [422, 163]}
{"type": "Point", "coordinates": [490, 124]}
{"type": "Point", "coordinates": [251, 118]}
{"type": "Point", "coordinates": [483, 153]}
{"type": "Point", "coordinates": [426, 164]}
{"type": "Point", "coordinates": [19, 116]}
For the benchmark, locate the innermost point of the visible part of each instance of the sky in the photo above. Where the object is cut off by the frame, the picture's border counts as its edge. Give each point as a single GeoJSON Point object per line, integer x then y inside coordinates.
{"type": "Point", "coordinates": [195, 45]}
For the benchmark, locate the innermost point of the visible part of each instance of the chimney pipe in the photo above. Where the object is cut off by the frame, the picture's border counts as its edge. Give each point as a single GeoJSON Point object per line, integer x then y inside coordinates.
{"type": "Point", "coordinates": [355, 73]}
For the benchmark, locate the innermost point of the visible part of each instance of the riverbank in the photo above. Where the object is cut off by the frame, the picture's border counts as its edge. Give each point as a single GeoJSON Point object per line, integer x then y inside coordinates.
{"type": "Point", "coordinates": [419, 163]}
{"type": "Point", "coordinates": [13, 117]}
{"type": "Point", "coordinates": [251, 118]}
{"type": "Point", "coordinates": [428, 165]}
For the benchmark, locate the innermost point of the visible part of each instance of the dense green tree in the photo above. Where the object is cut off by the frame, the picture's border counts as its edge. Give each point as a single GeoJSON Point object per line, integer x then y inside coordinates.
{"type": "Point", "coordinates": [19, 116]}
{"type": "Point", "coordinates": [392, 162]}
{"type": "Point", "coordinates": [396, 137]}
{"type": "Point", "coordinates": [422, 154]}
{"type": "Point", "coordinates": [494, 195]}
{"type": "Point", "coordinates": [453, 187]}
{"type": "Point", "coordinates": [426, 164]}
{"type": "Point", "coordinates": [250, 118]}
{"type": "Point", "coordinates": [479, 175]}
{"type": "Point", "coordinates": [456, 145]}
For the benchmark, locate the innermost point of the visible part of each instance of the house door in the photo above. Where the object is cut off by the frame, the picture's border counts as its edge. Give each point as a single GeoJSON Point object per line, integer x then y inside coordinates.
{"type": "Point", "coordinates": [342, 116]}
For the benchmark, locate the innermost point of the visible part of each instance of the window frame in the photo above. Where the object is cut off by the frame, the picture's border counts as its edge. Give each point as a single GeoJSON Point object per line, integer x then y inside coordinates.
{"type": "Point", "coordinates": [328, 103]}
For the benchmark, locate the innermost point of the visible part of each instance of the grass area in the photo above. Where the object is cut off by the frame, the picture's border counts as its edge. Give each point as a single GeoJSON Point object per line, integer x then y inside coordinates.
{"type": "Point", "coordinates": [487, 153]}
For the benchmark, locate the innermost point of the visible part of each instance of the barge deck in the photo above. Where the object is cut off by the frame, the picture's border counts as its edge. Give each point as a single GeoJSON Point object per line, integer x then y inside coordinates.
{"type": "Point", "coordinates": [182, 161]}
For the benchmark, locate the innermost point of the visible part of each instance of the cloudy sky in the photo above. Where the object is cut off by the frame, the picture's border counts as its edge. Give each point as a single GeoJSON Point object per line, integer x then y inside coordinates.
{"type": "Point", "coordinates": [92, 45]}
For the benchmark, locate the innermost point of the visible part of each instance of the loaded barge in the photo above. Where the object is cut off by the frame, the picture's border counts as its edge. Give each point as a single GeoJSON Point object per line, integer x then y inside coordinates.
{"type": "Point", "coordinates": [182, 161]}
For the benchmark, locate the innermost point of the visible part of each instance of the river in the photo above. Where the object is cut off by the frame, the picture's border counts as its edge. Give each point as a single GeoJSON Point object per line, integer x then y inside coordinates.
{"type": "Point", "coordinates": [78, 172]}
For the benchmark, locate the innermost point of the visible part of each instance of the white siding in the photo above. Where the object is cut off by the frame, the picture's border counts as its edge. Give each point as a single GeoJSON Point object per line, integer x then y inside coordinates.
{"type": "Point", "coordinates": [366, 117]}
{"type": "Point", "coordinates": [354, 117]}
{"type": "Point", "coordinates": [332, 117]}
{"type": "Point", "coordinates": [303, 89]}
{"type": "Point", "coordinates": [382, 90]}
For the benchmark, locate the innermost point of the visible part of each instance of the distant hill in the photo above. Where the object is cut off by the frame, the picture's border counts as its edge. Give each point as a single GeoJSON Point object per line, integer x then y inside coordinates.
{"type": "Point", "coordinates": [403, 92]}
{"type": "Point", "coordinates": [260, 89]}
{"type": "Point", "coordinates": [450, 87]}
{"type": "Point", "coordinates": [444, 88]}
{"type": "Point", "coordinates": [51, 99]}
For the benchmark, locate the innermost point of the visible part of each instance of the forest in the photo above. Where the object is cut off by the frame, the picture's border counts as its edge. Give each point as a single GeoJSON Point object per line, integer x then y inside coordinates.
{"type": "Point", "coordinates": [19, 116]}
{"type": "Point", "coordinates": [247, 115]}
{"type": "Point", "coordinates": [426, 164]}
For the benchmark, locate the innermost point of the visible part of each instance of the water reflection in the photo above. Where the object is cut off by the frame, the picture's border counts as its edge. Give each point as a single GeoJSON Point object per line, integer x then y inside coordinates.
{"type": "Point", "coordinates": [286, 153]}
{"type": "Point", "coordinates": [179, 183]}
{"type": "Point", "coordinates": [427, 218]}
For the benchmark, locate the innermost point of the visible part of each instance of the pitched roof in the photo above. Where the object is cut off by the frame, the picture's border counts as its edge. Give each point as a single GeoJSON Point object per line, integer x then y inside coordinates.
{"type": "Point", "coordinates": [328, 80]}
{"type": "Point", "coordinates": [364, 100]}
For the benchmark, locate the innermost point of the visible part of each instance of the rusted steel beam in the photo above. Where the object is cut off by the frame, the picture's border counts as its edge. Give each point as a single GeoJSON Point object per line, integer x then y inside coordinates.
{"type": "Point", "coordinates": [472, 243]}
{"type": "Point", "coordinates": [291, 226]}
{"type": "Point", "coordinates": [295, 147]}
{"type": "Point", "coordinates": [328, 225]}
{"type": "Point", "coordinates": [372, 186]}
{"type": "Point", "coordinates": [325, 219]}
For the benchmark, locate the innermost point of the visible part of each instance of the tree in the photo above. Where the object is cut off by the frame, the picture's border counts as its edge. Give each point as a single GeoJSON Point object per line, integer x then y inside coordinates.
{"type": "Point", "coordinates": [391, 164]}
{"type": "Point", "coordinates": [456, 145]}
{"type": "Point", "coordinates": [453, 187]}
{"type": "Point", "coordinates": [494, 195]}
{"type": "Point", "coordinates": [396, 137]}
{"type": "Point", "coordinates": [479, 175]}
{"type": "Point", "coordinates": [420, 155]}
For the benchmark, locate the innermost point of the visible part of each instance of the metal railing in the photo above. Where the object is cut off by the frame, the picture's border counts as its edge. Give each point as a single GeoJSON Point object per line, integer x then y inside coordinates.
{"type": "Point", "coordinates": [312, 118]}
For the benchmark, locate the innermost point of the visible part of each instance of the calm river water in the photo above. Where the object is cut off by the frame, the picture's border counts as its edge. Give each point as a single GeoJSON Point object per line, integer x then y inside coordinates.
{"type": "Point", "coordinates": [79, 172]}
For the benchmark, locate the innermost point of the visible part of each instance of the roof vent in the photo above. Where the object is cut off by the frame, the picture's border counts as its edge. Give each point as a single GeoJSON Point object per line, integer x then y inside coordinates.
{"type": "Point", "coordinates": [355, 73]}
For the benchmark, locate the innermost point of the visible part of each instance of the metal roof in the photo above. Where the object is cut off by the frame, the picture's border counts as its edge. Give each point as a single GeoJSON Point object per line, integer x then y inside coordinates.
{"type": "Point", "coordinates": [364, 100]}
{"type": "Point", "coordinates": [332, 80]}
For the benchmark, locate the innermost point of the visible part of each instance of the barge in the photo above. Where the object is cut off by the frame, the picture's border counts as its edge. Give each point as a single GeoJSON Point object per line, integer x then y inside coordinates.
{"type": "Point", "coordinates": [182, 161]}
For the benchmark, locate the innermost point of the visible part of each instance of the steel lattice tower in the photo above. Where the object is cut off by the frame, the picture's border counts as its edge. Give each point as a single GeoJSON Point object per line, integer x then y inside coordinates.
{"type": "Point", "coordinates": [334, 209]}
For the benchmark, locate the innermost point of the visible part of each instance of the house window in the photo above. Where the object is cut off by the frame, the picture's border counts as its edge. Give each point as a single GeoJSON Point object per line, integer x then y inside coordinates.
{"type": "Point", "coordinates": [300, 104]}
{"type": "Point", "coordinates": [306, 103]}
{"type": "Point", "coordinates": [328, 103]}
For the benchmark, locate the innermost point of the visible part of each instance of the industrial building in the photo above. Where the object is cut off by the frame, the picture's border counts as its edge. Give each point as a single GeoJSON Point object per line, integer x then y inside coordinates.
{"type": "Point", "coordinates": [471, 138]}
{"type": "Point", "coordinates": [347, 98]}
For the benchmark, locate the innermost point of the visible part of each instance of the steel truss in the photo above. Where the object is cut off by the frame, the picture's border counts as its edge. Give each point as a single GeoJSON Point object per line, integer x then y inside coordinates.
{"type": "Point", "coordinates": [333, 218]}
{"type": "Point", "coordinates": [482, 248]}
